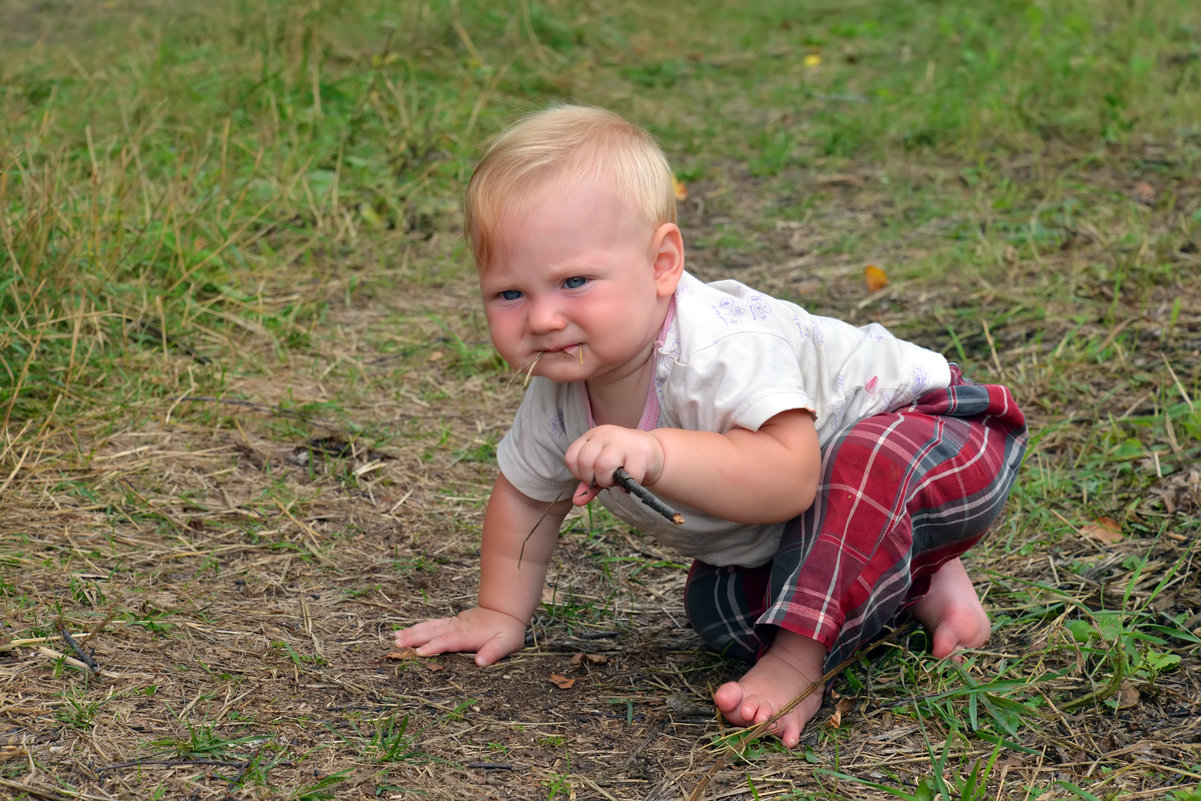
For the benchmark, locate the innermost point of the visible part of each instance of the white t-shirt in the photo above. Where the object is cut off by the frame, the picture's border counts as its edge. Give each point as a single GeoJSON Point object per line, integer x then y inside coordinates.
{"type": "Point", "coordinates": [727, 356]}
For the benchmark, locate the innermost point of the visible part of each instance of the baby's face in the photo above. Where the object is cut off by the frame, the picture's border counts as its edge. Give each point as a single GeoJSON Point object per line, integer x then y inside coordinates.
{"type": "Point", "coordinates": [571, 285]}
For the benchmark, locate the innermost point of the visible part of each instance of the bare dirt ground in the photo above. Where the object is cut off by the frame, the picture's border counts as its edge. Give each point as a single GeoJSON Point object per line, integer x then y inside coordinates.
{"type": "Point", "coordinates": [234, 565]}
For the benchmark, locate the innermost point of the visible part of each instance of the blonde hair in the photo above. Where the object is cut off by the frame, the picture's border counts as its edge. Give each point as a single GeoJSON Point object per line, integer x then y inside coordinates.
{"type": "Point", "coordinates": [565, 143]}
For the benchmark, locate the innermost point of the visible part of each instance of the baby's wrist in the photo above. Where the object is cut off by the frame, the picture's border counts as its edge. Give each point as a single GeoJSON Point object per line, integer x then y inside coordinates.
{"type": "Point", "coordinates": [655, 467]}
{"type": "Point", "coordinates": [498, 609]}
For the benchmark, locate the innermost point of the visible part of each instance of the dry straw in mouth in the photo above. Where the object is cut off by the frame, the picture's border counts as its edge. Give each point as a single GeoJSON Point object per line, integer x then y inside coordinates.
{"type": "Point", "coordinates": [529, 371]}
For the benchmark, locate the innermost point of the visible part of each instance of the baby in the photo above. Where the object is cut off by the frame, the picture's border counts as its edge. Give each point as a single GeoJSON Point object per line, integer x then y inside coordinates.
{"type": "Point", "coordinates": [830, 476]}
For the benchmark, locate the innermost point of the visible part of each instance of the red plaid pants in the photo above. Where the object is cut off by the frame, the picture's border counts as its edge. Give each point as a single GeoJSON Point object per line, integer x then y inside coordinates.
{"type": "Point", "coordinates": [901, 494]}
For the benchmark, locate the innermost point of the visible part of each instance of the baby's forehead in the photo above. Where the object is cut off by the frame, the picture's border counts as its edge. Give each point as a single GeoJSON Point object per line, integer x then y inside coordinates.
{"type": "Point", "coordinates": [569, 182]}
{"type": "Point", "coordinates": [557, 196]}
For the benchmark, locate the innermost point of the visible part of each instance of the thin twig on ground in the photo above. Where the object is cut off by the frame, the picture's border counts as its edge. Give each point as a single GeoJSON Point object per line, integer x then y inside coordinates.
{"type": "Point", "coordinates": [84, 657]}
{"type": "Point", "coordinates": [758, 730]}
{"type": "Point", "coordinates": [168, 763]}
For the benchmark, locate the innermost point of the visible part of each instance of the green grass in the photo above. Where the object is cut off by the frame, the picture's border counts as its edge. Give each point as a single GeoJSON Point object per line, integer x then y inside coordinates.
{"type": "Point", "coordinates": [249, 408]}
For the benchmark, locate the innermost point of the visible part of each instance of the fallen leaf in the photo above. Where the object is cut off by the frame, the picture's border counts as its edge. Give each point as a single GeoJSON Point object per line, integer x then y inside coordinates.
{"type": "Point", "coordinates": [1128, 696]}
{"type": "Point", "coordinates": [679, 188]}
{"type": "Point", "coordinates": [1144, 193]}
{"type": "Point", "coordinates": [1103, 529]}
{"type": "Point", "coordinates": [433, 667]}
{"type": "Point", "coordinates": [813, 59]}
{"type": "Point", "coordinates": [876, 278]}
{"type": "Point", "coordinates": [562, 682]}
{"type": "Point", "coordinates": [843, 707]}
{"type": "Point", "coordinates": [592, 659]}
{"type": "Point", "coordinates": [407, 653]}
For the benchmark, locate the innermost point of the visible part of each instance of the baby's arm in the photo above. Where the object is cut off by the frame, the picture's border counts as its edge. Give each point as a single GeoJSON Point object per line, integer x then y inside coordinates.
{"type": "Point", "coordinates": [763, 476]}
{"type": "Point", "coordinates": [518, 539]}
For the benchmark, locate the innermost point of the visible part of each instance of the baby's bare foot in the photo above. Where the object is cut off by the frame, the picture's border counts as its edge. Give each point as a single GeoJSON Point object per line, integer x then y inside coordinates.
{"type": "Point", "coordinates": [787, 669]}
{"type": "Point", "coordinates": [951, 612]}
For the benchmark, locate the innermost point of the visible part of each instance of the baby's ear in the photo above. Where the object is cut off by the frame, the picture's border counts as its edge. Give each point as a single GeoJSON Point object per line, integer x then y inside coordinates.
{"type": "Point", "coordinates": [667, 248]}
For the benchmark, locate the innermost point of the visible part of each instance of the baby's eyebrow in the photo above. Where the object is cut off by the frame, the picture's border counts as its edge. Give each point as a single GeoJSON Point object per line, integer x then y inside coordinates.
{"type": "Point", "coordinates": [559, 275]}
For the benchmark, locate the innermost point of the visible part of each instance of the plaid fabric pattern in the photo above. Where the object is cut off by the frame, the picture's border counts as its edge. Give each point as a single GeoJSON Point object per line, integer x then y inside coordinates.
{"type": "Point", "coordinates": [901, 494]}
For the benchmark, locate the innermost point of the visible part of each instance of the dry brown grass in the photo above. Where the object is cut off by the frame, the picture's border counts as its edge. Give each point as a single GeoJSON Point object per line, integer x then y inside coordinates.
{"type": "Point", "coordinates": [236, 567]}
{"type": "Point", "coordinates": [229, 506]}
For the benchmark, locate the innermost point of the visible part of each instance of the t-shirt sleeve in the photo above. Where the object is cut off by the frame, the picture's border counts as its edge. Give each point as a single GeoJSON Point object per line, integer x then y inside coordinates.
{"type": "Point", "coordinates": [741, 380]}
{"type": "Point", "coordinates": [531, 454]}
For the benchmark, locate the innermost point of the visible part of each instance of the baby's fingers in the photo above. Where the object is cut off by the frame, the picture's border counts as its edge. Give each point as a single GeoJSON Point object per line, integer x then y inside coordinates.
{"type": "Point", "coordinates": [584, 493]}
{"type": "Point", "coordinates": [487, 633]}
{"type": "Point", "coordinates": [500, 646]}
{"type": "Point", "coordinates": [418, 635]}
{"type": "Point", "coordinates": [449, 640]}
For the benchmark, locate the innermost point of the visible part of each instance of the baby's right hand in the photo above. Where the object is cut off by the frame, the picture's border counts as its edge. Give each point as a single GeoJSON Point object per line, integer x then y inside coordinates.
{"type": "Point", "coordinates": [489, 633]}
{"type": "Point", "coordinates": [598, 452]}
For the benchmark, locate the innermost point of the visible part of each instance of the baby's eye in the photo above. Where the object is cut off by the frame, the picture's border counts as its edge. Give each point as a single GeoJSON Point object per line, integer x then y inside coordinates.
{"type": "Point", "coordinates": [575, 282]}
{"type": "Point", "coordinates": [509, 294]}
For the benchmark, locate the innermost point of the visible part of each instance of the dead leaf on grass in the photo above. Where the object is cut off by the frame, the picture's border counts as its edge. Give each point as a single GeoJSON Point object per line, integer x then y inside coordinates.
{"type": "Point", "coordinates": [1144, 193]}
{"type": "Point", "coordinates": [592, 659]}
{"type": "Point", "coordinates": [406, 653]}
{"type": "Point", "coordinates": [843, 707]}
{"type": "Point", "coordinates": [1179, 491]}
{"type": "Point", "coordinates": [1128, 696]}
{"type": "Point", "coordinates": [411, 653]}
{"type": "Point", "coordinates": [876, 278]}
{"type": "Point", "coordinates": [561, 681]}
{"type": "Point", "coordinates": [1103, 529]}
{"type": "Point", "coordinates": [679, 188]}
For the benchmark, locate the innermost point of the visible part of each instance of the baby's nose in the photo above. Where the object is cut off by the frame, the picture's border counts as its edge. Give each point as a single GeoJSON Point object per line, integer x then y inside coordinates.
{"type": "Point", "coordinates": [545, 316]}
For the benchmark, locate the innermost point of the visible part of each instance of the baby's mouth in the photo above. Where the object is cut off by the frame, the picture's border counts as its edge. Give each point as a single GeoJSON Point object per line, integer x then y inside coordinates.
{"type": "Point", "coordinates": [575, 351]}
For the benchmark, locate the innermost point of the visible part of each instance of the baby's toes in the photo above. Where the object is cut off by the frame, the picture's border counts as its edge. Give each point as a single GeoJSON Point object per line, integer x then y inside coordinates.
{"type": "Point", "coordinates": [729, 699]}
{"type": "Point", "coordinates": [763, 711]}
{"type": "Point", "coordinates": [790, 735]}
{"type": "Point", "coordinates": [946, 642]}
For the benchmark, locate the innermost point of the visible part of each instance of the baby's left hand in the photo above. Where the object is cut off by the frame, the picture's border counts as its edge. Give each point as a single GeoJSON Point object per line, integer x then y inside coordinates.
{"type": "Point", "coordinates": [593, 457]}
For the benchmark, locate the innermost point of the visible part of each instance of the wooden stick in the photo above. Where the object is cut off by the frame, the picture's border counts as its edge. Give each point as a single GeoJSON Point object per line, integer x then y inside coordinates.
{"type": "Point", "coordinates": [94, 631]}
{"type": "Point", "coordinates": [84, 657]}
{"type": "Point", "coordinates": [627, 483]}
{"type": "Point", "coordinates": [73, 662]}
